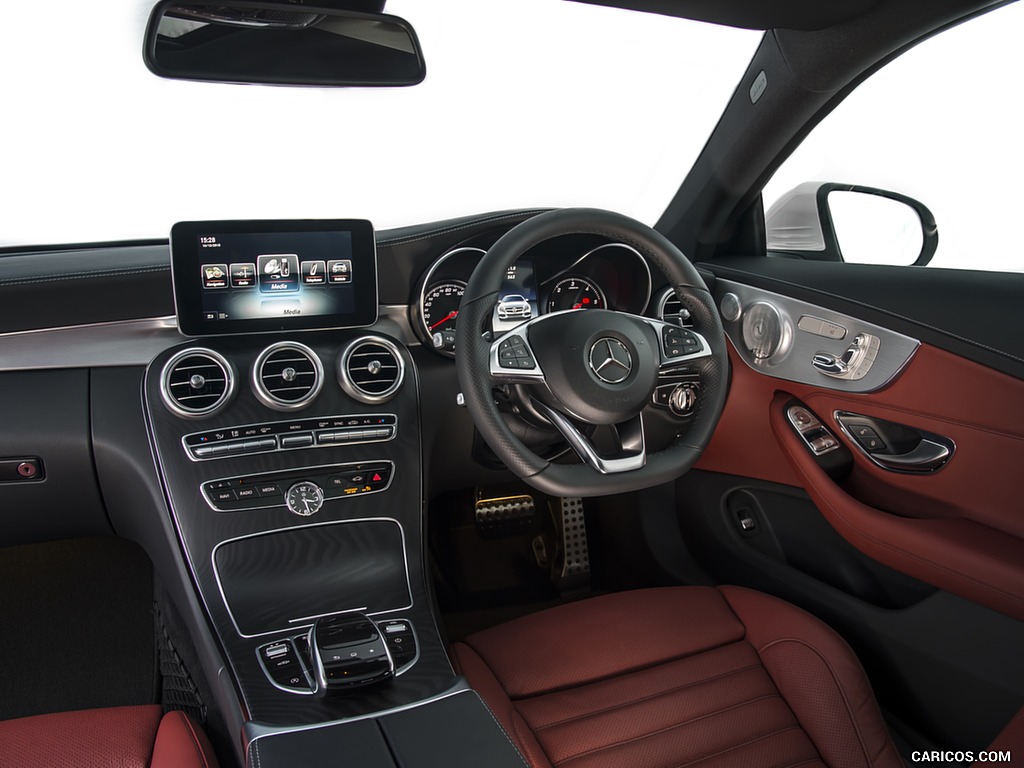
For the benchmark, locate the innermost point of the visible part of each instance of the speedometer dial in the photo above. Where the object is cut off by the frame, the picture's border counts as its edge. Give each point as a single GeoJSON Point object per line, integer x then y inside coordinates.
{"type": "Point", "coordinates": [441, 311]}
{"type": "Point", "coordinates": [575, 293]}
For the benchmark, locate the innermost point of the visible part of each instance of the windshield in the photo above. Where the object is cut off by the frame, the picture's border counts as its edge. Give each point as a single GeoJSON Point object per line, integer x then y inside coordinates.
{"type": "Point", "coordinates": [526, 103]}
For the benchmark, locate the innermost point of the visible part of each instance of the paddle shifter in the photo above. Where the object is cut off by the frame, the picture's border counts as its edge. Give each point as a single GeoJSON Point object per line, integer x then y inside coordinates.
{"type": "Point", "coordinates": [348, 652]}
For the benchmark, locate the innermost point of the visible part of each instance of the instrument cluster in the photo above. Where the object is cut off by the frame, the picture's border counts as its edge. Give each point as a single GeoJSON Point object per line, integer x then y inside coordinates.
{"type": "Point", "coordinates": [568, 273]}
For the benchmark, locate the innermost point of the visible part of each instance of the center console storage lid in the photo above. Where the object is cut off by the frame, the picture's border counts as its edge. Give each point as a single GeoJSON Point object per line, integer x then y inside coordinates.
{"type": "Point", "coordinates": [356, 743]}
{"type": "Point", "coordinates": [456, 731]}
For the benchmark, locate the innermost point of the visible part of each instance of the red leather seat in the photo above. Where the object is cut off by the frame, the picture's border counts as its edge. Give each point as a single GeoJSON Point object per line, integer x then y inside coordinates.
{"type": "Point", "coordinates": [119, 737]}
{"type": "Point", "coordinates": [676, 677]}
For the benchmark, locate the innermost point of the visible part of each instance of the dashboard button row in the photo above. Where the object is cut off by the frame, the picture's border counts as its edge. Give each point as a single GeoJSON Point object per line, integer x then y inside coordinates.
{"type": "Point", "coordinates": [290, 435]}
{"type": "Point", "coordinates": [235, 447]}
{"type": "Point", "coordinates": [237, 494]}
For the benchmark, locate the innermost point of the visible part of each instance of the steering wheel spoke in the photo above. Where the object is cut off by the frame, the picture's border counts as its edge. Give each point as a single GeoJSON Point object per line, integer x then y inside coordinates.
{"type": "Point", "coordinates": [632, 453]}
{"type": "Point", "coordinates": [512, 360]}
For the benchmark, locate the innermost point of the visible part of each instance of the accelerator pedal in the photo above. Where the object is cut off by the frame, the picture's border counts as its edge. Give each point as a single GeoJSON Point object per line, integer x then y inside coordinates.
{"type": "Point", "coordinates": [574, 573]}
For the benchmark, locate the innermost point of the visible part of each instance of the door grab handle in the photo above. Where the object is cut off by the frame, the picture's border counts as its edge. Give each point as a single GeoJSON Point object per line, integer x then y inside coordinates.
{"type": "Point", "coordinates": [928, 455]}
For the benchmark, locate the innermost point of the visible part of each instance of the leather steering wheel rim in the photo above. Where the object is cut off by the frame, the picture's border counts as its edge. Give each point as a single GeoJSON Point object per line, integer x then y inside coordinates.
{"type": "Point", "coordinates": [473, 353]}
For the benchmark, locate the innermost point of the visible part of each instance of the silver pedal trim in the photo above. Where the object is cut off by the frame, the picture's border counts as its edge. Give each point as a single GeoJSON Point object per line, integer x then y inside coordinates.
{"type": "Point", "coordinates": [576, 561]}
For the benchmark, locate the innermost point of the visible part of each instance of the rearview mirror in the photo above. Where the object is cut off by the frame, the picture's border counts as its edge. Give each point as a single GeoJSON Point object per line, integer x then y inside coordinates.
{"type": "Point", "coordinates": [860, 225]}
{"type": "Point", "coordinates": [281, 43]}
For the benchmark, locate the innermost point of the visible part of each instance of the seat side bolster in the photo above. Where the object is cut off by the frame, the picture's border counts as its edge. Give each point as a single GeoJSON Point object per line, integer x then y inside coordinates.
{"type": "Point", "coordinates": [483, 681]}
{"type": "Point", "coordinates": [180, 743]}
{"type": "Point", "coordinates": [820, 678]}
{"type": "Point", "coordinates": [121, 736]}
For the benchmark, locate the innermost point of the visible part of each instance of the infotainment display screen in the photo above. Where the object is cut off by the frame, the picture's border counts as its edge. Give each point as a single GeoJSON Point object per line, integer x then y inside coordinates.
{"type": "Point", "coordinates": [253, 276]}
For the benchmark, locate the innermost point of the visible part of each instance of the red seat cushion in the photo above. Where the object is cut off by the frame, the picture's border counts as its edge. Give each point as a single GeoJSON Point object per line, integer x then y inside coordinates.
{"type": "Point", "coordinates": [118, 737]}
{"type": "Point", "coordinates": [666, 678]}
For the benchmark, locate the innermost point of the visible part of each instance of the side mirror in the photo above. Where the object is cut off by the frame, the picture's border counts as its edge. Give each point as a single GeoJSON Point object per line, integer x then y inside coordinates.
{"type": "Point", "coordinates": [281, 43]}
{"type": "Point", "coordinates": [843, 222]}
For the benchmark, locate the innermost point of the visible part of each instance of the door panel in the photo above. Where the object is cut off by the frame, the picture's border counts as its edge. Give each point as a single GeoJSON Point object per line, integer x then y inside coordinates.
{"type": "Point", "coordinates": [960, 528]}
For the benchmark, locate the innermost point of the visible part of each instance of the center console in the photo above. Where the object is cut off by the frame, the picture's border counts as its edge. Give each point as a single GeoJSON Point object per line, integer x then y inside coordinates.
{"type": "Point", "coordinates": [290, 517]}
{"type": "Point", "coordinates": [291, 460]}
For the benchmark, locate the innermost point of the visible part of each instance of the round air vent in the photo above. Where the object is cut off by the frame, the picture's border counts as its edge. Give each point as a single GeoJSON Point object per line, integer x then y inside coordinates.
{"type": "Point", "coordinates": [762, 330]}
{"type": "Point", "coordinates": [287, 376]}
{"type": "Point", "coordinates": [671, 310]}
{"type": "Point", "coordinates": [196, 383]}
{"type": "Point", "coordinates": [371, 369]}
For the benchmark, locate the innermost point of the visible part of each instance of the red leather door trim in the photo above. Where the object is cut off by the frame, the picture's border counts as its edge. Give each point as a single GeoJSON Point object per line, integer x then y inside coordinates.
{"type": "Point", "coordinates": [961, 528]}
{"type": "Point", "coordinates": [956, 554]}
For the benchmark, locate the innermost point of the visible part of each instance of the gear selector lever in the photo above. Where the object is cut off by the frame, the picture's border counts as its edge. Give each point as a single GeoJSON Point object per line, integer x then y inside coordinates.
{"type": "Point", "coordinates": [348, 652]}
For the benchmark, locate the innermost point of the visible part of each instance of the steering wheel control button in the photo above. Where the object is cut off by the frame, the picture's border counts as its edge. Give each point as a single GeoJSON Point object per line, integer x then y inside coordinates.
{"type": "Point", "coordinates": [679, 342]}
{"type": "Point", "coordinates": [514, 354]}
{"type": "Point", "coordinates": [610, 360]}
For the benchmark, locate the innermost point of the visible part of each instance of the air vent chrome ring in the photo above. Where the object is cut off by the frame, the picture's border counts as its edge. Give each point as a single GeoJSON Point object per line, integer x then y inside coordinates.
{"type": "Point", "coordinates": [669, 309]}
{"type": "Point", "coordinates": [293, 379]}
{"type": "Point", "coordinates": [196, 381]}
{"type": "Point", "coordinates": [352, 363]}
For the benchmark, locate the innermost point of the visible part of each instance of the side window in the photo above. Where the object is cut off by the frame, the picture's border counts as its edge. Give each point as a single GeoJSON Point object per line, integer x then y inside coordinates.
{"type": "Point", "coordinates": [921, 164]}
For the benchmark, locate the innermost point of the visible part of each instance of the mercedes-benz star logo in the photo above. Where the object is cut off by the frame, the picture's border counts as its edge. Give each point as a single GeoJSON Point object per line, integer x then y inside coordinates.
{"type": "Point", "coordinates": [610, 360]}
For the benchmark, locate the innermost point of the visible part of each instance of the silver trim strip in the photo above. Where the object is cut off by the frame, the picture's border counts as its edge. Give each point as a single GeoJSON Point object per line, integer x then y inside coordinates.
{"type": "Point", "coordinates": [793, 362]}
{"type": "Point", "coordinates": [629, 461]}
{"type": "Point", "coordinates": [121, 343]}
{"type": "Point", "coordinates": [224, 599]}
{"type": "Point", "coordinates": [133, 342]}
{"type": "Point", "coordinates": [259, 731]}
{"type": "Point", "coordinates": [322, 615]}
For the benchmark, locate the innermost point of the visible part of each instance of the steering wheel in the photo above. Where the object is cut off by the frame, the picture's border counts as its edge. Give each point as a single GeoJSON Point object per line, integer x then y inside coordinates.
{"type": "Point", "coordinates": [593, 366]}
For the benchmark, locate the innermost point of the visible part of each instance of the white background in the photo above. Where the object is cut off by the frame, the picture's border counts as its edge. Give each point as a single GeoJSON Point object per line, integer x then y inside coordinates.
{"type": "Point", "coordinates": [941, 124]}
{"type": "Point", "coordinates": [526, 103]}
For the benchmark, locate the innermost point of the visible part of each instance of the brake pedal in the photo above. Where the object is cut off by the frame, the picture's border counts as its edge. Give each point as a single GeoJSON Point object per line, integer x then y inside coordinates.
{"type": "Point", "coordinates": [505, 516]}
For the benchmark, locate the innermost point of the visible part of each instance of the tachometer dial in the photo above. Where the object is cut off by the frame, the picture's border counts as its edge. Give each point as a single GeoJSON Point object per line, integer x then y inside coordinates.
{"type": "Point", "coordinates": [441, 311]}
{"type": "Point", "coordinates": [575, 293]}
